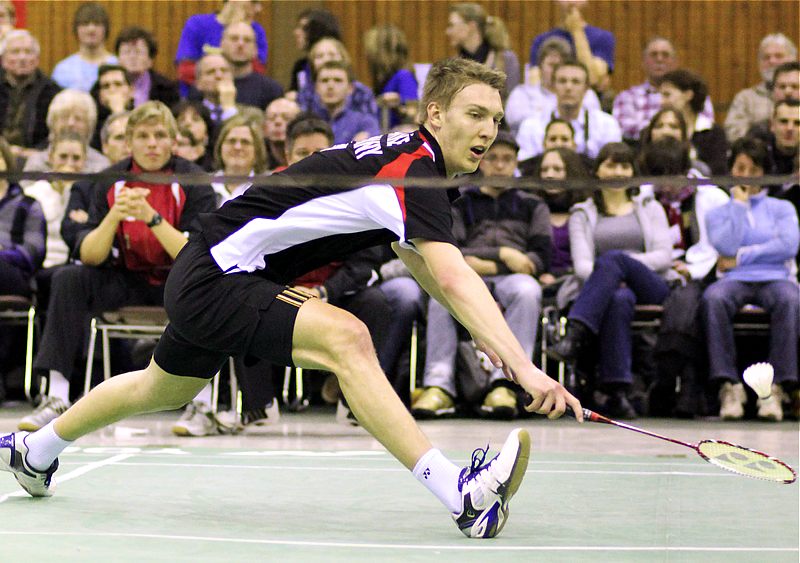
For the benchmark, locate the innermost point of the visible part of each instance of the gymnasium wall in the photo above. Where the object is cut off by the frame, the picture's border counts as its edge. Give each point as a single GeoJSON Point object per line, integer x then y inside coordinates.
{"type": "Point", "coordinates": [717, 38]}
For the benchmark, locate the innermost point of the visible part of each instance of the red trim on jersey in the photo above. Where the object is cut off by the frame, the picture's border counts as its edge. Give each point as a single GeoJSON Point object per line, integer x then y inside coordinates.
{"type": "Point", "coordinates": [398, 168]}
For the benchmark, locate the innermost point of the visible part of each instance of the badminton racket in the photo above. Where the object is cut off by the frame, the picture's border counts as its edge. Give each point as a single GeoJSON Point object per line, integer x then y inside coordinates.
{"type": "Point", "coordinates": [738, 459]}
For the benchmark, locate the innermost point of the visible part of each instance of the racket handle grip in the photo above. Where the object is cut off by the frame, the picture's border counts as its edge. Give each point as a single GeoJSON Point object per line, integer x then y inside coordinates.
{"type": "Point", "coordinates": [588, 414]}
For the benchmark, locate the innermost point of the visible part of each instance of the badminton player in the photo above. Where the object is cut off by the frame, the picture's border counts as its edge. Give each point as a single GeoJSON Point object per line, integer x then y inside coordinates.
{"type": "Point", "coordinates": [227, 296]}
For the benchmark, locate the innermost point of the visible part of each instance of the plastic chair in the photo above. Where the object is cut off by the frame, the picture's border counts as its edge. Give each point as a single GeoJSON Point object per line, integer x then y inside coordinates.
{"type": "Point", "coordinates": [17, 310]}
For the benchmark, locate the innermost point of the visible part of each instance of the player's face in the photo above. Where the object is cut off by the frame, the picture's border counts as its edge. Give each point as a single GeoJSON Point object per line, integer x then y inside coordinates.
{"type": "Point", "coordinates": [238, 151]}
{"type": "Point", "coordinates": [559, 135]}
{"type": "Point", "coordinates": [468, 127]}
{"type": "Point", "coordinates": [151, 145]}
{"type": "Point", "coordinates": [305, 145]}
{"type": "Point", "coordinates": [786, 127]}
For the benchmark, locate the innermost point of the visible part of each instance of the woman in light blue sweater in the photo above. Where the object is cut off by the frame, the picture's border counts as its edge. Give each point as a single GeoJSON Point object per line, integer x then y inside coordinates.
{"type": "Point", "coordinates": [757, 239]}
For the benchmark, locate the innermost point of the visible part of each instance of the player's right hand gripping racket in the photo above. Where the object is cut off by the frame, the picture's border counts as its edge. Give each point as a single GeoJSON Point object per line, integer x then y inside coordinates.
{"type": "Point", "coordinates": [738, 459]}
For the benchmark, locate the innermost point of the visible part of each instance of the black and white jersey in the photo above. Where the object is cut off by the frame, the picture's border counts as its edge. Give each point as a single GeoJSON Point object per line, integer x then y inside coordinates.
{"type": "Point", "coordinates": [282, 233]}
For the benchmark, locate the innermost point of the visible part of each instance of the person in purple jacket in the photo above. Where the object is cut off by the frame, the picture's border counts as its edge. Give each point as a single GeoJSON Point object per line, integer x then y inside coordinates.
{"type": "Point", "coordinates": [205, 30]}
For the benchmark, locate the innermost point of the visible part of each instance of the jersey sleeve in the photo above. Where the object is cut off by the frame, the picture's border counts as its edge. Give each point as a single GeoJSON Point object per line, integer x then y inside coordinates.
{"type": "Point", "coordinates": [428, 214]}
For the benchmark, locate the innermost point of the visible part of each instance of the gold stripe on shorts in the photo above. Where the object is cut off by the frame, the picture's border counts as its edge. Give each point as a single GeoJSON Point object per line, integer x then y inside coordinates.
{"type": "Point", "coordinates": [293, 296]}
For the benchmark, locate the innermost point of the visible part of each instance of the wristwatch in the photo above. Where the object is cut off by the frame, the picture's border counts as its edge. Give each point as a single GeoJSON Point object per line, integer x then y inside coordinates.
{"type": "Point", "coordinates": [156, 220]}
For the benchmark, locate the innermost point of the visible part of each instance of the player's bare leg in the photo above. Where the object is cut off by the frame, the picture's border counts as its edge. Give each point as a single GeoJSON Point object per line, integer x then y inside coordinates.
{"type": "Point", "coordinates": [149, 390]}
{"type": "Point", "coordinates": [328, 338]}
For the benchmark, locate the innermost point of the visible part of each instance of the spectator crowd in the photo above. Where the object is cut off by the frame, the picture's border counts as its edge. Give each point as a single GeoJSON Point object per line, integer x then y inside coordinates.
{"type": "Point", "coordinates": [589, 258]}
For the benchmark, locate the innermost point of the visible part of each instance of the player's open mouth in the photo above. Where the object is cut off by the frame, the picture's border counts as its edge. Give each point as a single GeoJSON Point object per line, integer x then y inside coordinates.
{"type": "Point", "coordinates": [477, 151]}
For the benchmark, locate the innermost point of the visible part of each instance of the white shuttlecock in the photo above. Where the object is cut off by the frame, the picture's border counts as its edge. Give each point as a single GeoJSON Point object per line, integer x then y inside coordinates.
{"type": "Point", "coordinates": [759, 378]}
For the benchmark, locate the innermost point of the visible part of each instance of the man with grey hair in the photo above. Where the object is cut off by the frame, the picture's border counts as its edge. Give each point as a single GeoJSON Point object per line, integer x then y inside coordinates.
{"type": "Point", "coordinates": [754, 104]}
{"type": "Point", "coordinates": [25, 93]}
{"type": "Point", "coordinates": [636, 106]}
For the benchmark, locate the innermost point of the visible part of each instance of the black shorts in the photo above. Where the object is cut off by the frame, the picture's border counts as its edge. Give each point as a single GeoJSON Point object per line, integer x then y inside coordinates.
{"type": "Point", "coordinates": [214, 316]}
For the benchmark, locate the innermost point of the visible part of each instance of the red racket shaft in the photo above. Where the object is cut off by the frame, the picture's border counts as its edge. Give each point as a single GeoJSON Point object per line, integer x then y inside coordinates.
{"type": "Point", "coordinates": [592, 416]}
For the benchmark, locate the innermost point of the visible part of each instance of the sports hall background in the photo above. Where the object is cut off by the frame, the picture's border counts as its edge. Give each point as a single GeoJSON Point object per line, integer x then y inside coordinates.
{"type": "Point", "coordinates": [716, 38]}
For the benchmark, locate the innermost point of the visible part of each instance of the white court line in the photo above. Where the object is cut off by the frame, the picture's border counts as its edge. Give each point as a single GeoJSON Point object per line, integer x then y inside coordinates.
{"type": "Point", "coordinates": [403, 470]}
{"type": "Point", "coordinates": [73, 474]}
{"type": "Point", "coordinates": [470, 547]}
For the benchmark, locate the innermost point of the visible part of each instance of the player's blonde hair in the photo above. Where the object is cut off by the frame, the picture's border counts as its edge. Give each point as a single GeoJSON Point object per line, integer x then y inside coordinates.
{"type": "Point", "coordinates": [448, 77]}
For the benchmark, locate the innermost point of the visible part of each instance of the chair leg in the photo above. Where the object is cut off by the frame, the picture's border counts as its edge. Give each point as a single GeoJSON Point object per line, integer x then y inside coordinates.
{"type": "Point", "coordinates": [87, 384]}
{"type": "Point", "coordinates": [412, 361]}
{"type": "Point", "coordinates": [236, 394]}
{"type": "Point", "coordinates": [106, 353]}
{"type": "Point", "coordinates": [543, 342]}
{"type": "Point", "coordinates": [215, 392]}
{"type": "Point", "coordinates": [287, 378]}
{"type": "Point", "coordinates": [29, 353]}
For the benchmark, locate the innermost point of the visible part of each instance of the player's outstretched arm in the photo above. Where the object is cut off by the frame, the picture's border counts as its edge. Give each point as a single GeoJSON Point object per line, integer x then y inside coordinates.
{"type": "Point", "coordinates": [442, 272]}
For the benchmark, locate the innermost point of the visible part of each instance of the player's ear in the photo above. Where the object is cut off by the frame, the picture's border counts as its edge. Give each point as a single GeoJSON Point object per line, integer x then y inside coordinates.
{"type": "Point", "coordinates": [435, 114]}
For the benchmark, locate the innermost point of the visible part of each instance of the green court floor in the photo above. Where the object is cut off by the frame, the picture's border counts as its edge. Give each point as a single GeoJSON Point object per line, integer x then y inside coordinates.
{"type": "Point", "coordinates": [282, 497]}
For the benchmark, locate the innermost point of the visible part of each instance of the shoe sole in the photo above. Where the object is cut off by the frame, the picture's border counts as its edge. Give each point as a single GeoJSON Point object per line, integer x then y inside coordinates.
{"type": "Point", "coordinates": [428, 415]}
{"type": "Point", "coordinates": [184, 432]}
{"type": "Point", "coordinates": [27, 427]}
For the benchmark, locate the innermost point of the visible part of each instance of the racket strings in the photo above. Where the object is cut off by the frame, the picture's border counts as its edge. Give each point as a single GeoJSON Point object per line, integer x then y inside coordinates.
{"type": "Point", "coordinates": [745, 461]}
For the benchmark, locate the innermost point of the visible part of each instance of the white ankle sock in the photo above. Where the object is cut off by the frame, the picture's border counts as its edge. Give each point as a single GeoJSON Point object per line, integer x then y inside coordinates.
{"type": "Point", "coordinates": [440, 476]}
{"type": "Point", "coordinates": [44, 445]}
{"type": "Point", "coordinates": [59, 386]}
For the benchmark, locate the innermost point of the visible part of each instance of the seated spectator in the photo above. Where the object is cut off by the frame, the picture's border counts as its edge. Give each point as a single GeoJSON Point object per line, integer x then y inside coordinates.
{"type": "Point", "coordinates": [278, 115]}
{"type": "Point", "coordinates": [600, 42]}
{"type": "Point", "coordinates": [187, 146]}
{"type": "Point", "coordinates": [115, 148]}
{"type": "Point", "coordinates": [215, 88]}
{"type": "Point", "coordinates": [112, 93]}
{"type": "Point", "coordinates": [25, 93]}
{"type": "Point", "coordinates": [333, 85]}
{"type": "Point", "coordinates": [312, 25]}
{"type": "Point", "coordinates": [537, 96]}
{"type": "Point", "coordinates": [754, 104]}
{"type": "Point", "coordinates": [239, 151]}
{"type": "Point", "coordinates": [194, 116]}
{"type": "Point", "coordinates": [785, 86]}
{"type": "Point", "coordinates": [756, 237]}
{"type": "Point", "coordinates": [557, 134]}
{"type": "Point", "coordinates": [686, 92]}
{"type": "Point", "coordinates": [305, 135]}
{"type": "Point", "coordinates": [8, 17]}
{"type": "Point", "coordinates": [635, 107]}
{"type": "Point", "coordinates": [504, 234]}
{"type": "Point", "coordinates": [669, 122]}
{"type": "Point", "coordinates": [67, 154]}
{"type": "Point", "coordinates": [484, 39]}
{"type": "Point", "coordinates": [202, 31]}
{"type": "Point", "coordinates": [136, 48]}
{"type": "Point", "coordinates": [135, 230]}
{"type": "Point", "coordinates": [22, 232]}
{"type": "Point", "coordinates": [593, 128]}
{"type": "Point", "coordinates": [680, 350]}
{"type": "Point", "coordinates": [70, 110]}
{"type": "Point", "coordinates": [90, 26]}
{"type": "Point", "coordinates": [395, 86]}
{"type": "Point", "coordinates": [559, 164]}
{"type": "Point", "coordinates": [361, 98]}
{"type": "Point", "coordinates": [621, 253]}
{"type": "Point", "coordinates": [785, 135]}
{"type": "Point", "coordinates": [239, 47]}
{"type": "Point", "coordinates": [22, 247]}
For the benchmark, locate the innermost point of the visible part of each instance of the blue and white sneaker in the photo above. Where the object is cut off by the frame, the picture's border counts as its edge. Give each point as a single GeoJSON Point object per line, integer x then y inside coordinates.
{"type": "Point", "coordinates": [486, 489]}
{"type": "Point", "coordinates": [12, 459]}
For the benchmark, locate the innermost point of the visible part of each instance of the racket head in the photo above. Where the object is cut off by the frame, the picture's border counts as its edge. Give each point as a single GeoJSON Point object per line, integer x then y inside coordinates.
{"type": "Point", "coordinates": [745, 461]}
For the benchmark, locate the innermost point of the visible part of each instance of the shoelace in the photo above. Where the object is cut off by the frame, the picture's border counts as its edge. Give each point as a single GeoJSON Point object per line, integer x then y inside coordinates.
{"type": "Point", "coordinates": [476, 465]}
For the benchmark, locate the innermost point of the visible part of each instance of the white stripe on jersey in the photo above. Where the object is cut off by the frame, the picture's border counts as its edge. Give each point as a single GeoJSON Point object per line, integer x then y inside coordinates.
{"type": "Point", "coordinates": [364, 209]}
